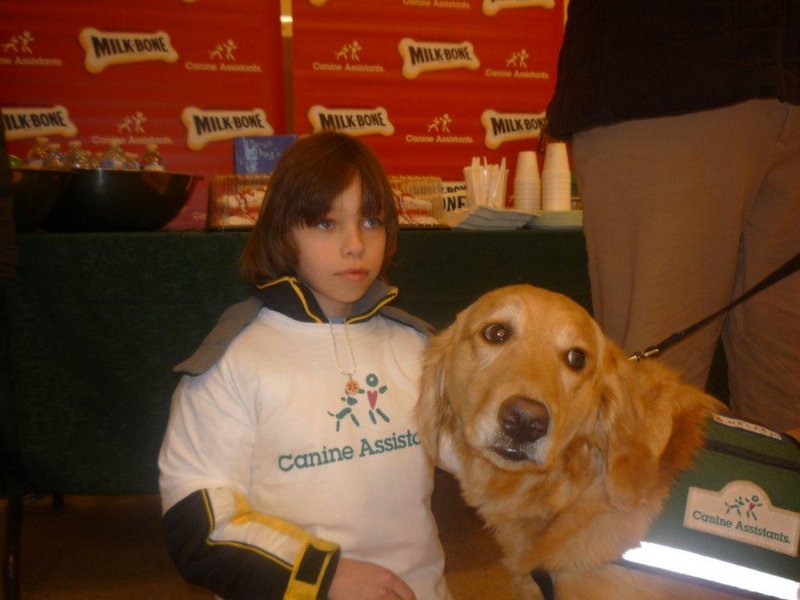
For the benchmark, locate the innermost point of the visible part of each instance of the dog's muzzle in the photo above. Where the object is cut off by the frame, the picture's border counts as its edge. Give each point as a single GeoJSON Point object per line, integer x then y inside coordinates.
{"type": "Point", "coordinates": [523, 422]}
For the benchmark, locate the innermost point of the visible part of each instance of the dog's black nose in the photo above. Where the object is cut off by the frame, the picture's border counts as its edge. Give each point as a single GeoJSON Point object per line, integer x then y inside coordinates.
{"type": "Point", "coordinates": [524, 419]}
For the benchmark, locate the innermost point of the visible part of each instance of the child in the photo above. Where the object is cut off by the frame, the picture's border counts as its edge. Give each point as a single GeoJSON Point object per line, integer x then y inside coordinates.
{"type": "Point", "coordinates": [292, 466]}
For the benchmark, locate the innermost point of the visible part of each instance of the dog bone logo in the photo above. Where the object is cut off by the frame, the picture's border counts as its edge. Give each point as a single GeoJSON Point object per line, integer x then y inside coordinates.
{"type": "Point", "coordinates": [357, 121]}
{"type": "Point", "coordinates": [505, 127]}
{"type": "Point", "coordinates": [30, 121]}
{"type": "Point", "coordinates": [204, 126]}
{"type": "Point", "coordinates": [419, 57]}
{"type": "Point", "coordinates": [105, 48]}
{"type": "Point", "coordinates": [492, 7]}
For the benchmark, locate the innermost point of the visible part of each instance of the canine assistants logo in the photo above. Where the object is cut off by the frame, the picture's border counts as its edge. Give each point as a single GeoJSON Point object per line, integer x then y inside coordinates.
{"type": "Point", "coordinates": [347, 59]}
{"type": "Point", "coordinates": [359, 405]}
{"type": "Point", "coordinates": [18, 50]}
{"type": "Point", "coordinates": [222, 58]}
{"type": "Point", "coordinates": [742, 511]}
{"type": "Point", "coordinates": [516, 66]}
{"type": "Point", "coordinates": [349, 412]}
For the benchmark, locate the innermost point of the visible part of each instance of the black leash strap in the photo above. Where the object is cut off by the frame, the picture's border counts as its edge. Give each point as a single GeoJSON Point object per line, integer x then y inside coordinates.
{"type": "Point", "coordinates": [786, 269]}
{"type": "Point", "coordinates": [542, 578]}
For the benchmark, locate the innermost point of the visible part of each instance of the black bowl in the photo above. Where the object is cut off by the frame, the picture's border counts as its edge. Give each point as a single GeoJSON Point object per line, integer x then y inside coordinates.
{"type": "Point", "coordinates": [35, 193]}
{"type": "Point", "coordinates": [110, 200]}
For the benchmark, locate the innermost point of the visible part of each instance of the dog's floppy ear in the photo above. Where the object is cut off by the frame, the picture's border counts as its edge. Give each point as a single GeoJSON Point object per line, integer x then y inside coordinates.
{"type": "Point", "coordinates": [655, 425]}
{"type": "Point", "coordinates": [635, 432]}
{"type": "Point", "coordinates": [434, 413]}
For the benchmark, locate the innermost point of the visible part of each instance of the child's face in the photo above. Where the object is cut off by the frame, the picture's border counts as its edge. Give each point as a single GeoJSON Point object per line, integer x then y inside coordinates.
{"type": "Point", "coordinates": [341, 256]}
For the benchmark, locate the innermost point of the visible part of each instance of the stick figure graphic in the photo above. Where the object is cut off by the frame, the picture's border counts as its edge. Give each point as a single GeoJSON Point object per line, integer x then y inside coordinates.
{"type": "Point", "coordinates": [372, 398]}
{"type": "Point", "coordinates": [229, 47]}
{"type": "Point", "coordinates": [354, 49]}
{"type": "Point", "coordinates": [753, 504]}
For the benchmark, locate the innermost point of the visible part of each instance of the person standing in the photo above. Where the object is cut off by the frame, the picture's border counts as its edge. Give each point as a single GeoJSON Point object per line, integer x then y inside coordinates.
{"type": "Point", "coordinates": [684, 121]}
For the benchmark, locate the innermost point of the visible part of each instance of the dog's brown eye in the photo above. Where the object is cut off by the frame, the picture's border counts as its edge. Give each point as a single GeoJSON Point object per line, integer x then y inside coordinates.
{"type": "Point", "coordinates": [496, 333]}
{"type": "Point", "coordinates": [576, 359]}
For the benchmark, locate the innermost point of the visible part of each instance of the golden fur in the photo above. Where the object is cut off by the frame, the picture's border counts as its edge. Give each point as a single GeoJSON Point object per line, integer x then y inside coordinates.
{"type": "Point", "coordinates": [565, 447]}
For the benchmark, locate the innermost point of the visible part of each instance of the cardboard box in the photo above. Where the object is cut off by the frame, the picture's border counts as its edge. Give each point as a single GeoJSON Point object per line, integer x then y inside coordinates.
{"type": "Point", "coordinates": [259, 154]}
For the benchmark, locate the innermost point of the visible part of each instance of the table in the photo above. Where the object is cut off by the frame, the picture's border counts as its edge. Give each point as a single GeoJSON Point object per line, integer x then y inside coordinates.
{"type": "Point", "coordinates": [95, 321]}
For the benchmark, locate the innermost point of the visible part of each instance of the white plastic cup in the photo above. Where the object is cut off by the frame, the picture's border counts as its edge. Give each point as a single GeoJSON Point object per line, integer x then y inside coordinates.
{"type": "Point", "coordinates": [556, 178]}
{"type": "Point", "coordinates": [529, 203]}
{"type": "Point", "coordinates": [527, 184]}
{"type": "Point", "coordinates": [556, 194]}
{"type": "Point", "coordinates": [527, 196]}
{"type": "Point", "coordinates": [555, 158]}
{"type": "Point", "coordinates": [527, 166]}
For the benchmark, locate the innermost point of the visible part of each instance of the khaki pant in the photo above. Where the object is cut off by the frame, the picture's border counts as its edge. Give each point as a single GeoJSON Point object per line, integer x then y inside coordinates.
{"type": "Point", "coordinates": [681, 215]}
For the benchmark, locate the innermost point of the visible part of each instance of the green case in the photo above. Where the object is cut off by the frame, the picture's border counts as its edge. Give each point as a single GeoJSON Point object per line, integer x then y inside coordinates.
{"type": "Point", "coordinates": [740, 502]}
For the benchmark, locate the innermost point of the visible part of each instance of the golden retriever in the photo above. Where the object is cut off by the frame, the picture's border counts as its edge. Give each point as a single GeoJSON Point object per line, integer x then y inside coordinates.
{"type": "Point", "coordinates": [565, 448]}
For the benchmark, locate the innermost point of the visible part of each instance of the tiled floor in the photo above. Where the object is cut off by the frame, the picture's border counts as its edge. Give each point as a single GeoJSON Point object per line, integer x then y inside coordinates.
{"type": "Point", "coordinates": [111, 548]}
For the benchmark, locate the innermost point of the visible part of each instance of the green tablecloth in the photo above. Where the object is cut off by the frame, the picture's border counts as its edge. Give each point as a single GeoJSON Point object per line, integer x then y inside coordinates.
{"type": "Point", "coordinates": [94, 323]}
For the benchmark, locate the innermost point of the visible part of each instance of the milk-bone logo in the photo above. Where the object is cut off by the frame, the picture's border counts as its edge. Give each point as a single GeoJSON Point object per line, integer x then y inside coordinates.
{"type": "Point", "coordinates": [204, 126]}
{"type": "Point", "coordinates": [506, 127]}
{"type": "Point", "coordinates": [33, 121]}
{"type": "Point", "coordinates": [356, 121]}
{"type": "Point", "coordinates": [419, 57]}
{"type": "Point", "coordinates": [106, 48]}
{"type": "Point", "coordinates": [492, 7]}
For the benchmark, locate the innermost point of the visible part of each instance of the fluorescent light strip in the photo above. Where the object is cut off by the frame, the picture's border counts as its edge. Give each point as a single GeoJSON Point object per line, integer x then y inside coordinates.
{"type": "Point", "coordinates": [712, 569]}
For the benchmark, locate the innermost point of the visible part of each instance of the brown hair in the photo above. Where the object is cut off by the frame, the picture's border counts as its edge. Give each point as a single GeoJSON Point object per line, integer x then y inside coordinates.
{"type": "Point", "coordinates": [312, 172]}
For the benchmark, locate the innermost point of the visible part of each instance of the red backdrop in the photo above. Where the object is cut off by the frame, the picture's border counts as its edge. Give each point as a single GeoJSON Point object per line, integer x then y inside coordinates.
{"type": "Point", "coordinates": [140, 69]}
{"type": "Point", "coordinates": [454, 78]}
{"type": "Point", "coordinates": [428, 83]}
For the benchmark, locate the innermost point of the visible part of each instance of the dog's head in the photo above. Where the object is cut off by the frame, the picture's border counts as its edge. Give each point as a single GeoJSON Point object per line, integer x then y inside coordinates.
{"type": "Point", "coordinates": [525, 379]}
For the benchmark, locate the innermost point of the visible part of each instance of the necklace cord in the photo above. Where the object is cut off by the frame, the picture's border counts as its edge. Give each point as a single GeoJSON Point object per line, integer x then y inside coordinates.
{"type": "Point", "coordinates": [349, 374]}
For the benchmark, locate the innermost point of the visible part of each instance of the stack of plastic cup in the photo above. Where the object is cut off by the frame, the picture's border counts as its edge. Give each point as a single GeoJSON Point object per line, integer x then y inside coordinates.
{"type": "Point", "coordinates": [556, 181]}
{"type": "Point", "coordinates": [527, 185]}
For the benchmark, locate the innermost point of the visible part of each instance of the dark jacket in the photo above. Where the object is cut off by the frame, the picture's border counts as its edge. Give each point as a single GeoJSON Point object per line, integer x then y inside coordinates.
{"type": "Point", "coordinates": [634, 59]}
